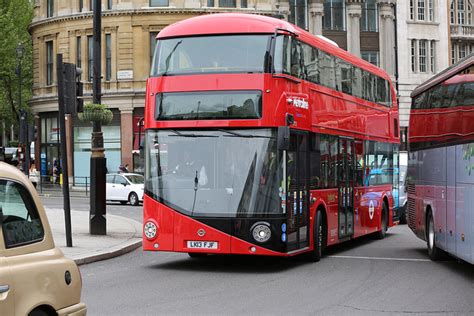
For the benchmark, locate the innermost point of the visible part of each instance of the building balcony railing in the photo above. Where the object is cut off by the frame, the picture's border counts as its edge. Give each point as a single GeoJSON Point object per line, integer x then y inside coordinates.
{"type": "Point", "coordinates": [461, 31]}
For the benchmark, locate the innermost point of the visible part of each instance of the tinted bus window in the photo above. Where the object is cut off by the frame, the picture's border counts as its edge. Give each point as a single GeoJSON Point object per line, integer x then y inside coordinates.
{"type": "Point", "coordinates": [327, 64]}
{"type": "Point", "coordinates": [346, 77]}
{"type": "Point", "coordinates": [311, 62]}
{"type": "Point", "coordinates": [209, 105]}
{"type": "Point", "coordinates": [207, 54]}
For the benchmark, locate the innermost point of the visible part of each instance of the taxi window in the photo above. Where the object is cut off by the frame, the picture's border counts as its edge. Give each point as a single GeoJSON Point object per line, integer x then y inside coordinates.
{"type": "Point", "coordinates": [110, 179]}
{"type": "Point", "coordinates": [20, 221]}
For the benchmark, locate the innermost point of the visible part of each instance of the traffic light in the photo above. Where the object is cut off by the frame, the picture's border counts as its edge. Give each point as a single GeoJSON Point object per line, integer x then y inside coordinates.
{"type": "Point", "coordinates": [73, 89]}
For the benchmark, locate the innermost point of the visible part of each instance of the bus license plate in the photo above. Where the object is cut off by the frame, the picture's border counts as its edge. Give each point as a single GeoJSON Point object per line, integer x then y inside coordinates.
{"type": "Point", "coordinates": [203, 244]}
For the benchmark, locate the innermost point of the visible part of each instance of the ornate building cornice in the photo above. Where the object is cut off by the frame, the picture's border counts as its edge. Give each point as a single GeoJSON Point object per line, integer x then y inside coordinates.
{"type": "Point", "coordinates": [147, 11]}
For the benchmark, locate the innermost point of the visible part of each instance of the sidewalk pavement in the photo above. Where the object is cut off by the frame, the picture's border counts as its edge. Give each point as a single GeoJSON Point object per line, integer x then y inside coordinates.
{"type": "Point", "coordinates": [123, 236]}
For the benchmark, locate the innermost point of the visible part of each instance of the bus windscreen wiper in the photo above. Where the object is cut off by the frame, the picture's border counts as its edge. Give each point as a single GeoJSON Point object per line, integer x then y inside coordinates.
{"type": "Point", "coordinates": [236, 134]}
{"type": "Point", "coordinates": [178, 133]}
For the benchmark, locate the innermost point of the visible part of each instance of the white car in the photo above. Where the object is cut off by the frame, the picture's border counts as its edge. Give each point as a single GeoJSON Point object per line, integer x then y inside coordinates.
{"type": "Point", "coordinates": [125, 187]}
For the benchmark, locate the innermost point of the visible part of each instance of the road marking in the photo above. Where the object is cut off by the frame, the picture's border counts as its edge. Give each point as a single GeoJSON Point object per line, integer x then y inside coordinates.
{"type": "Point", "coordinates": [380, 258]}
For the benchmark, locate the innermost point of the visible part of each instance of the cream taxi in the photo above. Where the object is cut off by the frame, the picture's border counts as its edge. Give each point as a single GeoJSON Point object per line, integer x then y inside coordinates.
{"type": "Point", "coordinates": [35, 277]}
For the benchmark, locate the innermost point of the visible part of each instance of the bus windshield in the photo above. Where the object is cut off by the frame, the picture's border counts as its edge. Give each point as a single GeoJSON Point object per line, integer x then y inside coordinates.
{"type": "Point", "coordinates": [218, 173]}
{"type": "Point", "coordinates": [210, 54]}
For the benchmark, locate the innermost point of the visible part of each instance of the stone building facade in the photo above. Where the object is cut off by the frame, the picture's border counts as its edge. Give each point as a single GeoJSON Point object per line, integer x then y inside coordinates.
{"type": "Point", "coordinates": [365, 28]}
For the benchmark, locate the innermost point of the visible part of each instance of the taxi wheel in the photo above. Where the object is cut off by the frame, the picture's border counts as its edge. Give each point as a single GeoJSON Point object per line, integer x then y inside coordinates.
{"type": "Point", "coordinates": [133, 199]}
{"type": "Point", "coordinates": [39, 312]}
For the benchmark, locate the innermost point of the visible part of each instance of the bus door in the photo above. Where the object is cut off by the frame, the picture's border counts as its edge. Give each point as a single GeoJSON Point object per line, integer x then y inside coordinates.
{"type": "Point", "coordinates": [297, 171]}
{"type": "Point", "coordinates": [346, 187]}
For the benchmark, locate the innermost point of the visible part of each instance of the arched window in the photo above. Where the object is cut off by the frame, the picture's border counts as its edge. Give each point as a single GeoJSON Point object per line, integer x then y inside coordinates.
{"type": "Point", "coordinates": [469, 13]}
{"type": "Point", "coordinates": [452, 13]}
{"type": "Point", "coordinates": [461, 12]}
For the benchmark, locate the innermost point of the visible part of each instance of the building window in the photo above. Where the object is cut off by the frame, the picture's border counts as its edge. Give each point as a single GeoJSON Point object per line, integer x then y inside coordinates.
{"type": "Point", "coordinates": [422, 55]}
{"type": "Point", "coordinates": [299, 13]}
{"type": "Point", "coordinates": [49, 8]}
{"type": "Point", "coordinates": [49, 63]}
{"type": "Point", "coordinates": [210, 3]}
{"type": "Point", "coordinates": [453, 54]}
{"type": "Point", "coordinates": [159, 3]}
{"type": "Point", "coordinates": [90, 57]}
{"type": "Point", "coordinates": [108, 57]}
{"type": "Point", "coordinates": [91, 5]}
{"type": "Point", "coordinates": [227, 3]}
{"type": "Point", "coordinates": [422, 10]}
{"type": "Point", "coordinates": [369, 17]}
{"type": "Point", "coordinates": [152, 45]}
{"type": "Point", "coordinates": [78, 52]}
{"type": "Point", "coordinates": [243, 3]}
{"type": "Point", "coordinates": [334, 18]}
{"type": "Point", "coordinates": [109, 4]}
{"type": "Point", "coordinates": [371, 57]}
{"type": "Point", "coordinates": [461, 51]}
{"type": "Point", "coordinates": [452, 15]}
{"type": "Point", "coordinates": [413, 55]}
{"type": "Point", "coordinates": [81, 5]}
{"type": "Point", "coordinates": [430, 10]}
{"type": "Point", "coordinates": [432, 57]}
{"type": "Point", "coordinates": [461, 12]}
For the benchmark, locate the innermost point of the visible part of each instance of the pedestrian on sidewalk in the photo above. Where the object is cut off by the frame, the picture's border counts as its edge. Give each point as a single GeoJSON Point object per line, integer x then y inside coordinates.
{"type": "Point", "coordinates": [34, 175]}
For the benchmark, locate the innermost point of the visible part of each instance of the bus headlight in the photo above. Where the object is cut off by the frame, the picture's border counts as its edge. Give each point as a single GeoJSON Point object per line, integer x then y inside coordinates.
{"type": "Point", "coordinates": [261, 232]}
{"type": "Point", "coordinates": [150, 230]}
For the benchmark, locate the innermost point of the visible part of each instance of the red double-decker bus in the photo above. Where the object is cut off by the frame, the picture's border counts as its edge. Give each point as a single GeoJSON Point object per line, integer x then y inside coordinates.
{"type": "Point", "coordinates": [261, 139]}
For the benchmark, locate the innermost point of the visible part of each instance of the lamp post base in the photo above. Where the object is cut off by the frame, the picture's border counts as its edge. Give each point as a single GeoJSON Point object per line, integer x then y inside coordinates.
{"type": "Point", "coordinates": [97, 218]}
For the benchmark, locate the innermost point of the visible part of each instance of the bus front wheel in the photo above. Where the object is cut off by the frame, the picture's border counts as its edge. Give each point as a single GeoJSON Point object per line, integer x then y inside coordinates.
{"type": "Point", "coordinates": [318, 237]}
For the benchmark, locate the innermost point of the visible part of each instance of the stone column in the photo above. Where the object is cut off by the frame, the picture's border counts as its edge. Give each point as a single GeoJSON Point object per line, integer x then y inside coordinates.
{"type": "Point", "coordinates": [316, 13]}
{"type": "Point", "coordinates": [387, 35]}
{"type": "Point", "coordinates": [126, 136]}
{"type": "Point", "coordinates": [354, 12]}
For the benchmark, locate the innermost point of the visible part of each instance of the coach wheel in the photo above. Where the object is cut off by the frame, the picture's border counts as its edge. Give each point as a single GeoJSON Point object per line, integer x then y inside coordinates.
{"type": "Point", "coordinates": [384, 222]}
{"type": "Point", "coordinates": [133, 199]}
{"type": "Point", "coordinates": [433, 252]}
{"type": "Point", "coordinates": [319, 239]}
{"type": "Point", "coordinates": [197, 254]}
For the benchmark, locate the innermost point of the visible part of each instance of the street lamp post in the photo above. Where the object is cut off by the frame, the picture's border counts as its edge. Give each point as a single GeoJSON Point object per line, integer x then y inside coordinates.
{"type": "Point", "coordinates": [20, 50]}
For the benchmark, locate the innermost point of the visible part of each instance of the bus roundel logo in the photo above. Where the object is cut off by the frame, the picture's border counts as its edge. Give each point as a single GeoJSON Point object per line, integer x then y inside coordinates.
{"type": "Point", "coordinates": [371, 209]}
{"type": "Point", "coordinates": [201, 232]}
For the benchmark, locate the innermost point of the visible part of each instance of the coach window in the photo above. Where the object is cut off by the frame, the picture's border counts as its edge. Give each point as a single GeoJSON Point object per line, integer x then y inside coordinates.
{"type": "Point", "coordinates": [311, 61]}
{"type": "Point", "coordinates": [381, 91]}
{"type": "Point", "coordinates": [333, 152]}
{"type": "Point", "coordinates": [296, 69]}
{"type": "Point", "coordinates": [359, 156]}
{"type": "Point", "coordinates": [467, 94]}
{"type": "Point", "coordinates": [327, 73]}
{"type": "Point", "coordinates": [316, 166]}
{"type": "Point", "coordinates": [357, 82]}
{"type": "Point", "coordinates": [346, 77]}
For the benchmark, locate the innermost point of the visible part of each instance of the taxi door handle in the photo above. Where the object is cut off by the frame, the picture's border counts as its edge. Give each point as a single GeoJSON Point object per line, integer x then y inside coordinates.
{"type": "Point", "coordinates": [4, 288]}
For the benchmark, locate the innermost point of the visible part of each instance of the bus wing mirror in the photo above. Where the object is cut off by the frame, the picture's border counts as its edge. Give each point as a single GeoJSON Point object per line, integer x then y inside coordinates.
{"type": "Point", "coordinates": [283, 138]}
